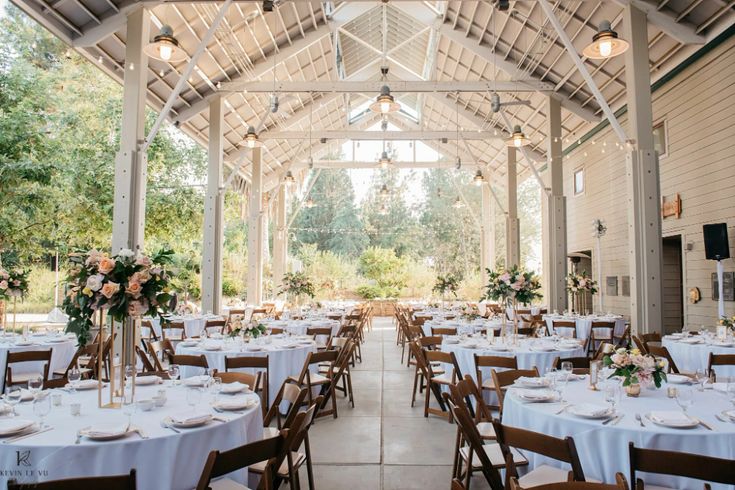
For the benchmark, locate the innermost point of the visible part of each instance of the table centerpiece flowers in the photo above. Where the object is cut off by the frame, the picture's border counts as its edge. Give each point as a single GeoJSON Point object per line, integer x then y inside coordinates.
{"type": "Point", "coordinates": [238, 329]}
{"type": "Point", "coordinates": [13, 285]}
{"type": "Point", "coordinates": [297, 285]}
{"type": "Point", "coordinates": [446, 285]}
{"type": "Point", "coordinates": [578, 285]}
{"type": "Point", "coordinates": [512, 287]}
{"type": "Point", "coordinates": [635, 368]}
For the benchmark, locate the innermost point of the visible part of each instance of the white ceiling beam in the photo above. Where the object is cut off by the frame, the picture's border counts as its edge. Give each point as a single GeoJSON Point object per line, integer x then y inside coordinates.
{"type": "Point", "coordinates": [395, 86]}
{"type": "Point", "coordinates": [393, 166]}
{"type": "Point", "coordinates": [93, 33]}
{"type": "Point", "coordinates": [682, 32]}
{"type": "Point", "coordinates": [381, 135]}
{"type": "Point", "coordinates": [509, 67]}
{"type": "Point", "coordinates": [347, 11]}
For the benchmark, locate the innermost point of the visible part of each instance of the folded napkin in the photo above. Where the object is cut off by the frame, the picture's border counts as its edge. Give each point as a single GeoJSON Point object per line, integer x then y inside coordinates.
{"type": "Point", "coordinates": [147, 380]}
{"type": "Point", "coordinates": [729, 414]}
{"type": "Point", "coordinates": [678, 379]}
{"type": "Point", "coordinates": [234, 403]}
{"type": "Point", "coordinates": [188, 418]}
{"type": "Point", "coordinates": [235, 387]}
{"type": "Point", "coordinates": [692, 340]}
{"type": "Point", "coordinates": [87, 384]}
{"type": "Point", "coordinates": [670, 417]}
{"type": "Point", "coordinates": [212, 346]}
{"type": "Point", "coordinates": [591, 409]}
{"type": "Point", "coordinates": [196, 380]}
{"type": "Point", "coordinates": [25, 395]}
{"type": "Point", "coordinates": [528, 381]}
{"type": "Point", "coordinates": [535, 395]}
{"type": "Point", "coordinates": [107, 429]}
{"type": "Point", "coordinates": [13, 425]}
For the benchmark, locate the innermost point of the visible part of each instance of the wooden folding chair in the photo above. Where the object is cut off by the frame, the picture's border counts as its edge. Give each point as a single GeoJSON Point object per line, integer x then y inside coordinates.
{"type": "Point", "coordinates": [318, 334]}
{"type": "Point", "coordinates": [624, 339]}
{"type": "Point", "coordinates": [564, 325]}
{"type": "Point", "coordinates": [121, 482]}
{"type": "Point", "coordinates": [650, 338]}
{"type": "Point", "coordinates": [436, 380]}
{"type": "Point", "coordinates": [151, 333]}
{"type": "Point", "coordinates": [14, 358]}
{"type": "Point", "coordinates": [640, 345]}
{"type": "Point", "coordinates": [441, 331]}
{"type": "Point", "coordinates": [719, 360]}
{"type": "Point", "coordinates": [307, 379]}
{"type": "Point", "coordinates": [620, 484]}
{"type": "Point", "coordinates": [687, 465]}
{"type": "Point", "coordinates": [580, 365]}
{"type": "Point", "coordinates": [87, 369]}
{"type": "Point", "coordinates": [160, 350]}
{"type": "Point", "coordinates": [144, 360]}
{"type": "Point", "coordinates": [492, 362]}
{"type": "Point", "coordinates": [257, 365]}
{"type": "Point", "coordinates": [503, 379]}
{"type": "Point", "coordinates": [173, 331]}
{"type": "Point", "coordinates": [190, 360]}
{"type": "Point", "coordinates": [292, 395]}
{"type": "Point", "coordinates": [562, 450]}
{"type": "Point", "coordinates": [215, 327]}
{"type": "Point", "coordinates": [600, 331]}
{"type": "Point", "coordinates": [662, 352]}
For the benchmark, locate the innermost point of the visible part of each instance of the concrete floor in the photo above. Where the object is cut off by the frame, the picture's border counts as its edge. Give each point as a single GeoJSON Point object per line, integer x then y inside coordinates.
{"type": "Point", "coordinates": [382, 443]}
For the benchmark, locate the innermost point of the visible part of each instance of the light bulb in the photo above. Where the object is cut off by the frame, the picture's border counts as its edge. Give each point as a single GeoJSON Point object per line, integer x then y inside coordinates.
{"type": "Point", "coordinates": [606, 47]}
{"type": "Point", "coordinates": [251, 144]}
{"type": "Point", "coordinates": [383, 164]}
{"type": "Point", "coordinates": [517, 142]}
{"type": "Point", "coordinates": [384, 107]}
{"type": "Point", "coordinates": [165, 51]}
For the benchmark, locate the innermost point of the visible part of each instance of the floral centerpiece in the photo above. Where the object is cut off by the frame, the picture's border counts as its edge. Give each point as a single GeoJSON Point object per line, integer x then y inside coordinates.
{"type": "Point", "coordinates": [635, 368]}
{"type": "Point", "coordinates": [446, 285]}
{"type": "Point", "coordinates": [237, 329]}
{"type": "Point", "coordinates": [469, 313]}
{"type": "Point", "coordinates": [13, 285]}
{"type": "Point", "coordinates": [127, 285]}
{"type": "Point", "coordinates": [728, 322]}
{"type": "Point", "coordinates": [578, 285]}
{"type": "Point", "coordinates": [513, 286]}
{"type": "Point", "coordinates": [296, 285]}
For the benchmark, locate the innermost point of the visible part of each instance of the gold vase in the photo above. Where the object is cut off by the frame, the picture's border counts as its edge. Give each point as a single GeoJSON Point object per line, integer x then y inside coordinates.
{"type": "Point", "coordinates": [633, 390]}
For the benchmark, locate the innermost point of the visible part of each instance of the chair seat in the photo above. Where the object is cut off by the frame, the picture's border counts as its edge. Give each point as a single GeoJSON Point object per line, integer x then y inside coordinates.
{"type": "Point", "coordinates": [486, 430]}
{"type": "Point", "coordinates": [24, 377]}
{"type": "Point", "coordinates": [543, 475]}
{"type": "Point", "coordinates": [488, 384]}
{"type": "Point", "coordinates": [269, 432]}
{"type": "Point", "coordinates": [495, 454]}
{"type": "Point", "coordinates": [62, 372]}
{"type": "Point", "coordinates": [298, 460]}
{"type": "Point", "coordinates": [442, 379]}
{"type": "Point", "coordinates": [226, 484]}
{"type": "Point", "coordinates": [316, 379]}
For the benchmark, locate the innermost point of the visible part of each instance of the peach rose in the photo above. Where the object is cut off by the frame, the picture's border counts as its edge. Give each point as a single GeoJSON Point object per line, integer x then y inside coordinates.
{"type": "Point", "coordinates": [137, 308]}
{"type": "Point", "coordinates": [94, 257]}
{"type": "Point", "coordinates": [144, 261]}
{"type": "Point", "coordinates": [134, 289]}
{"type": "Point", "coordinates": [106, 265]}
{"type": "Point", "coordinates": [109, 289]}
{"type": "Point", "coordinates": [141, 277]}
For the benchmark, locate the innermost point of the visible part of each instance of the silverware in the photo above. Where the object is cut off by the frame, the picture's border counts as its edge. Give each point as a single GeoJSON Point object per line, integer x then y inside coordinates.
{"type": "Point", "coordinates": [79, 435]}
{"type": "Point", "coordinates": [618, 419]}
{"type": "Point", "coordinates": [703, 423]}
{"type": "Point", "coordinates": [561, 409]}
{"type": "Point", "coordinates": [609, 419]}
{"type": "Point", "coordinates": [219, 410]}
{"type": "Point", "coordinates": [639, 419]}
{"type": "Point", "coordinates": [168, 426]}
{"type": "Point", "coordinates": [138, 431]}
{"type": "Point", "coordinates": [28, 434]}
{"type": "Point", "coordinates": [221, 419]}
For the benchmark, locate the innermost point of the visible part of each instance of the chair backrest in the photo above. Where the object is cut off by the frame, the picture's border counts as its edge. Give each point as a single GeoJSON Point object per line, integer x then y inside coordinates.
{"type": "Point", "coordinates": [89, 350]}
{"type": "Point", "coordinates": [329, 356]}
{"type": "Point", "coordinates": [624, 339]}
{"type": "Point", "coordinates": [147, 365]}
{"type": "Point", "coordinates": [187, 360]}
{"type": "Point", "coordinates": [562, 450]}
{"type": "Point", "coordinates": [157, 350]}
{"type": "Point", "coordinates": [640, 344]}
{"type": "Point", "coordinates": [148, 325]}
{"type": "Point", "coordinates": [445, 358]}
{"type": "Point", "coordinates": [663, 352]}
{"type": "Point", "coordinates": [705, 468]}
{"type": "Point", "coordinates": [320, 332]}
{"type": "Point", "coordinates": [527, 331]}
{"type": "Point", "coordinates": [121, 482]}
{"type": "Point", "coordinates": [620, 484]}
{"type": "Point", "coordinates": [501, 379]}
{"type": "Point", "coordinates": [432, 342]}
{"type": "Point", "coordinates": [245, 378]}
{"type": "Point", "coordinates": [493, 362]}
{"type": "Point", "coordinates": [23, 357]}
{"type": "Point", "coordinates": [651, 337]}
{"type": "Point", "coordinates": [577, 362]}
{"type": "Point", "coordinates": [469, 391]}
{"type": "Point", "coordinates": [244, 362]}
{"type": "Point", "coordinates": [215, 326]}
{"type": "Point", "coordinates": [719, 360]}
{"type": "Point", "coordinates": [439, 331]}
{"type": "Point", "coordinates": [602, 330]}
{"type": "Point", "coordinates": [565, 325]}
{"type": "Point", "coordinates": [179, 331]}
{"type": "Point", "coordinates": [291, 394]}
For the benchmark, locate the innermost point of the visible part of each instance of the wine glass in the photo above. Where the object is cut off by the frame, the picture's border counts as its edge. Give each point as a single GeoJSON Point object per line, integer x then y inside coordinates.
{"type": "Point", "coordinates": [193, 397]}
{"type": "Point", "coordinates": [216, 387]}
{"type": "Point", "coordinates": [35, 384]}
{"type": "Point", "coordinates": [567, 367]}
{"type": "Point", "coordinates": [173, 372]}
{"type": "Point", "coordinates": [685, 399]}
{"type": "Point", "coordinates": [129, 406]}
{"type": "Point", "coordinates": [42, 407]}
{"type": "Point", "coordinates": [12, 397]}
{"type": "Point", "coordinates": [613, 394]}
{"type": "Point", "coordinates": [74, 377]}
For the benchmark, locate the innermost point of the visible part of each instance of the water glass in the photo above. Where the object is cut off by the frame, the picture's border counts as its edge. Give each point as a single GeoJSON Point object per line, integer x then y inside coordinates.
{"type": "Point", "coordinates": [613, 394]}
{"type": "Point", "coordinates": [42, 407]}
{"type": "Point", "coordinates": [216, 387]}
{"type": "Point", "coordinates": [173, 372]}
{"type": "Point", "coordinates": [193, 397]}
{"type": "Point", "coordinates": [685, 399]}
{"type": "Point", "coordinates": [35, 385]}
{"type": "Point", "coordinates": [74, 377]}
{"type": "Point", "coordinates": [12, 397]}
{"type": "Point", "coordinates": [129, 407]}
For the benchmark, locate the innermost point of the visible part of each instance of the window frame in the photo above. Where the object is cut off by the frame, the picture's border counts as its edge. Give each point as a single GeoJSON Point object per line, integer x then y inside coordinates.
{"type": "Point", "coordinates": [577, 171]}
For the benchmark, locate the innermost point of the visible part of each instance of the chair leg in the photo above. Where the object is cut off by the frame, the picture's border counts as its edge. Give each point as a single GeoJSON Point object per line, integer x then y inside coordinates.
{"type": "Point", "coordinates": [349, 387]}
{"type": "Point", "coordinates": [426, 403]}
{"type": "Point", "coordinates": [415, 382]}
{"type": "Point", "coordinates": [309, 469]}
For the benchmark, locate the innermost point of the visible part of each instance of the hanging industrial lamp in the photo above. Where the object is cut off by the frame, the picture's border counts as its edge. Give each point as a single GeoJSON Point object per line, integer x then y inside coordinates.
{"type": "Point", "coordinates": [309, 203]}
{"type": "Point", "coordinates": [385, 103]}
{"type": "Point", "coordinates": [478, 179]}
{"type": "Point", "coordinates": [251, 138]}
{"type": "Point", "coordinates": [384, 160]}
{"type": "Point", "coordinates": [383, 210]}
{"type": "Point", "coordinates": [165, 46]}
{"type": "Point", "coordinates": [458, 203]}
{"type": "Point", "coordinates": [517, 139]}
{"type": "Point", "coordinates": [384, 192]}
{"type": "Point", "coordinates": [605, 44]}
{"type": "Point", "coordinates": [289, 179]}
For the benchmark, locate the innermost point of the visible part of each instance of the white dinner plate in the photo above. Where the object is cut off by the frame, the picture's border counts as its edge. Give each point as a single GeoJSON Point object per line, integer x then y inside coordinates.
{"type": "Point", "coordinates": [590, 411]}
{"type": "Point", "coordinates": [196, 380]}
{"type": "Point", "coordinates": [240, 403]}
{"type": "Point", "coordinates": [105, 432]}
{"type": "Point", "coordinates": [13, 425]}
{"type": "Point", "coordinates": [676, 420]}
{"type": "Point", "coordinates": [147, 380]}
{"type": "Point", "coordinates": [254, 348]}
{"type": "Point", "coordinates": [679, 379]}
{"type": "Point", "coordinates": [24, 343]}
{"type": "Point", "coordinates": [499, 348]}
{"type": "Point", "coordinates": [189, 343]}
{"type": "Point", "coordinates": [236, 387]}
{"type": "Point", "coordinates": [85, 384]}
{"type": "Point", "coordinates": [188, 422]}
{"type": "Point", "coordinates": [525, 382]}
{"type": "Point", "coordinates": [536, 396]}
{"type": "Point", "coordinates": [57, 340]}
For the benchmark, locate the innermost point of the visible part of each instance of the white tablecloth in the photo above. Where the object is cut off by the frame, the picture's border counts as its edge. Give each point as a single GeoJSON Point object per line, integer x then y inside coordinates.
{"type": "Point", "coordinates": [165, 460]}
{"type": "Point", "coordinates": [603, 449]}
{"type": "Point", "coordinates": [299, 327]}
{"type": "Point", "coordinates": [695, 357]}
{"type": "Point", "coordinates": [461, 326]}
{"type": "Point", "coordinates": [584, 324]}
{"type": "Point", "coordinates": [193, 325]}
{"type": "Point", "coordinates": [62, 353]}
{"type": "Point", "coordinates": [282, 361]}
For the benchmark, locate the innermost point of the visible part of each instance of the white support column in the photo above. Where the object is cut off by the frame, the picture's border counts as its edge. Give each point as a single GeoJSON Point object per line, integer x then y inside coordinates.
{"type": "Point", "coordinates": [512, 225]}
{"type": "Point", "coordinates": [644, 192]}
{"type": "Point", "coordinates": [214, 213]}
{"type": "Point", "coordinates": [487, 232]}
{"type": "Point", "coordinates": [255, 232]}
{"type": "Point", "coordinates": [556, 218]}
{"type": "Point", "coordinates": [128, 215]}
{"type": "Point", "coordinates": [280, 240]}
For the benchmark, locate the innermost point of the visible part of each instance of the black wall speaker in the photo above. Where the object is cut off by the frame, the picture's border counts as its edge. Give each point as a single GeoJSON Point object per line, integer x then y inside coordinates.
{"type": "Point", "coordinates": [716, 246]}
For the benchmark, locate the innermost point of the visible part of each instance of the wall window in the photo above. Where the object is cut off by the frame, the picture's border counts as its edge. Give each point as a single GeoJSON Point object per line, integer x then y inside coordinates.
{"type": "Point", "coordinates": [660, 139]}
{"type": "Point", "coordinates": [579, 181]}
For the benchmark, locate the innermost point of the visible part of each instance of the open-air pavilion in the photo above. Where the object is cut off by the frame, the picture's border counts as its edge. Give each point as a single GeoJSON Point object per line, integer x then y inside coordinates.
{"type": "Point", "coordinates": [620, 110]}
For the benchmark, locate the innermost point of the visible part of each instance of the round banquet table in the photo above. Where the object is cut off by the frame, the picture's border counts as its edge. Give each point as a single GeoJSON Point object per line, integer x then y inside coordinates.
{"type": "Point", "coordinates": [603, 449]}
{"type": "Point", "coordinates": [299, 327]}
{"type": "Point", "coordinates": [462, 327]}
{"type": "Point", "coordinates": [286, 356]}
{"type": "Point", "coordinates": [691, 357]}
{"type": "Point", "coordinates": [584, 323]}
{"type": "Point", "coordinates": [62, 348]}
{"type": "Point", "coordinates": [193, 324]}
{"type": "Point", "coordinates": [165, 460]}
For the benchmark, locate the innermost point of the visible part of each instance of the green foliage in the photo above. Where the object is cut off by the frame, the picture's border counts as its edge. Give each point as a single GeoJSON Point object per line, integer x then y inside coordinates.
{"type": "Point", "coordinates": [448, 284]}
{"type": "Point", "coordinates": [385, 269]}
{"type": "Point", "coordinates": [333, 275]}
{"type": "Point", "coordinates": [231, 288]}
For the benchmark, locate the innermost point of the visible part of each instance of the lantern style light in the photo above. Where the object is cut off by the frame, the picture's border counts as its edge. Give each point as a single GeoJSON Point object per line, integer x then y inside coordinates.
{"type": "Point", "coordinates": [289, 179]}
{"type": "Point", "coordinates": [385, 103]}
{"type": "Point", "coordinates": [478, 179]}
{"type": "Point", "coordinates": [383, 210]}
{"type": "Point", "coordinates": [384, 160]}
{"type": "Point", "coordinates": [517, 139]}
{"type": "Point", "coordinates": [384, 192]}
{"type": "Point", "coordinates": [165, 46]}
{"type": "Point", "coordinates": [309, 203]}
{"type": "Point", "coordinates": [605, 44]}
{"type": "Point", "coordinates": [251, 139]}
{"type": "Point", "coordinates": [458, 204]}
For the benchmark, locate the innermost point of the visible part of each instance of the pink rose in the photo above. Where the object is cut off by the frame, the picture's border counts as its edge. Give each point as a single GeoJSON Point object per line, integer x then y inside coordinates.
{"type": "Point", "coordinates": [106, 265]}
{"type": "Point", "coordinates": [16, 283]}
{"type": "Point", "coordinates": [144, 261]}
{"type": "Point", "coordinates": [137, 308]}
{"type": "Point", "coordinates": [109, 289]}
{"type": "Point", "coordinates": [94, 257]}
{"type": "Point", "coordinates": [134, 289]}
{"type": "Point", "coordinates": [3, 284]}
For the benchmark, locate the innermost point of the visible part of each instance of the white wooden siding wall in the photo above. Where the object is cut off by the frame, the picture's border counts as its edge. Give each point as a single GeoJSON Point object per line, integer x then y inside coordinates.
{"type": "Point", "coordinates": [699, 109]}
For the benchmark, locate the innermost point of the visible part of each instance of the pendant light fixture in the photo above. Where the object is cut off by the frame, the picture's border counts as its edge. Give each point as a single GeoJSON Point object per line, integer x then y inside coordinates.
{"type": "Point", "coordinates": [517, 139]}
{"type": "Point", "coordinates": [384, 160]}
{"type": "Point", "coordinates": [385, 103]}
{"type": "Point", "coordinates": [309, 203]}
{"type": "Point", "coordinates": [384, 192]}
{"type": "Point", "coordinates": [383, 210]}
{"type": "Point", "coordinates": [289, 179]}
{"type": "Point", "coordinates": [251, 138]}
{"type": "Point", "coordinates": [605, 44]}
{"type": "Point", "coordinates": [458, 204]}
{"type": "Point", "coordinates": [478, 179]}
{"type": "Point", "coordinates": [165, 46]}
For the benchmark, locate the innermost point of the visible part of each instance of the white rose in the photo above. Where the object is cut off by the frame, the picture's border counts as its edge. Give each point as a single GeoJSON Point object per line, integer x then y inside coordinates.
{"type": "Point", "coordinates": [126, 252]}
{"type": "Point", "coordinates": [95, 282]}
